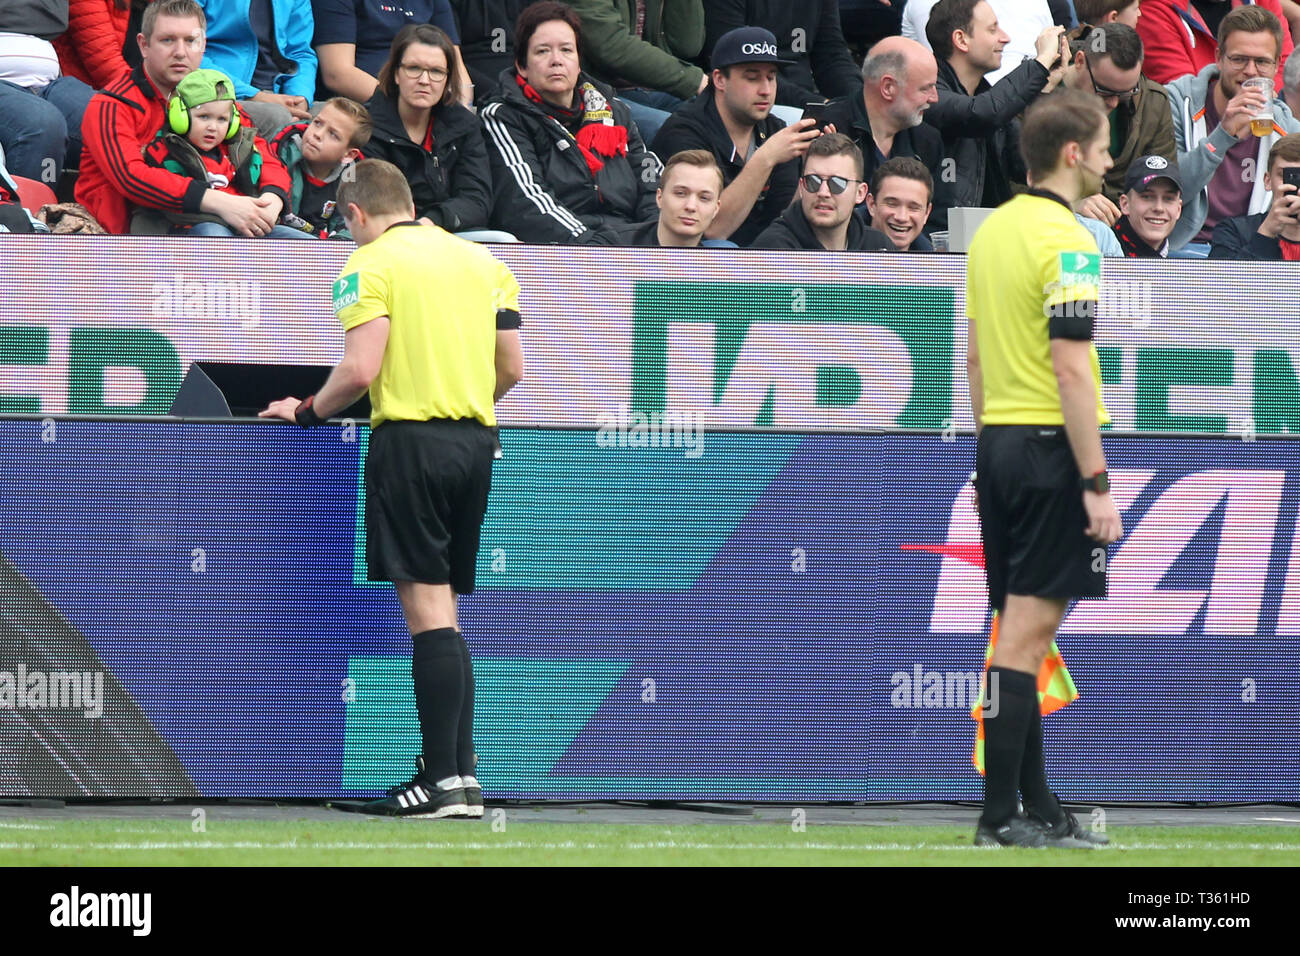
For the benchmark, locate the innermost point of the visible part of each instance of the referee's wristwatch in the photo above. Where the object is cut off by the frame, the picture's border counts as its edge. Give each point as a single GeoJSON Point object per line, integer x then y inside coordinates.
{"type": "Point", "coordinates": [1099, 483]}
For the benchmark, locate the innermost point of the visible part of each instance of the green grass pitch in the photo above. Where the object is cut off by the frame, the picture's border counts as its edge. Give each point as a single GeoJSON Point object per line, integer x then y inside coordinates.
{"type": "Point", "coordinates": [353, 840]}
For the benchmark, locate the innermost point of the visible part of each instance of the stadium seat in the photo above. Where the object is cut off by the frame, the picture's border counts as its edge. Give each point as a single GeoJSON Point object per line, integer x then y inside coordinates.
{"type": "Point", "coordinates": [33, 195]}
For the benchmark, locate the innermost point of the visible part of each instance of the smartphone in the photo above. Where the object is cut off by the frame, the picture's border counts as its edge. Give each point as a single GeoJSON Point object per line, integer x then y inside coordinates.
{"type": "Point", "coordinates": [1291, 177]}
{"type": "Point", "coordinates": [815, 111]}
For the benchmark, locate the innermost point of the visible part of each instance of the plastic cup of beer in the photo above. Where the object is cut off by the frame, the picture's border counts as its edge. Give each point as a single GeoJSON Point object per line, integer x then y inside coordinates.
{"type": "Point", "coordinates": [1261, 124]}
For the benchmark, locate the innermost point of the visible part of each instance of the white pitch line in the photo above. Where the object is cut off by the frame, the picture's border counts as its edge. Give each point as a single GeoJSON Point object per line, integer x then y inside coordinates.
{"type": "Point", "coordinates": [251, 845]}
{"type": "Point", "coordinates": [26, 826]}
{"type": "Point", "coordinates": [1280, 819]}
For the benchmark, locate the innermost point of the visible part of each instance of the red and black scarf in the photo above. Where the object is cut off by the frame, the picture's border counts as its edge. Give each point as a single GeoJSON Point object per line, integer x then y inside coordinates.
{"type": "Point", "coordinates": [598, 137]}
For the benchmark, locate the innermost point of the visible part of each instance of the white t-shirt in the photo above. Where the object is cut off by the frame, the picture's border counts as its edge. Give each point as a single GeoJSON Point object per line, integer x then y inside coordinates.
{"type": "Point", "coordinates": [1023, 21]}
{"type": "Point", "coordinates": [27, 61]}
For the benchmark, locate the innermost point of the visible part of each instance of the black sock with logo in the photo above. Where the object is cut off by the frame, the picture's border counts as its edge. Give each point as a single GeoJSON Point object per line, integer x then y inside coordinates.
{"type": "Point", "coordinates": [439, 678]}
{"type": "Point", "coordinates": [1004, 741]}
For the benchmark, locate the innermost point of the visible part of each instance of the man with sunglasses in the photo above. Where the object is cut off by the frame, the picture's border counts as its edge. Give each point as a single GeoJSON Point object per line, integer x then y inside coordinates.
{"type": "Point", "coordinates": [1107, 62]}
{"type": "Point", "coordinates": [1222, 163]}
{"type": "Point", "coordinates": [822, 217]}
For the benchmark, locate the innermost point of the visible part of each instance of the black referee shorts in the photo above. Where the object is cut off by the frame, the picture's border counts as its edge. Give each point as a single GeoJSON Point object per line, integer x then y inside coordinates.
{"type": "Point", "coordinates": [1032, 517]}
{"type": "Point", "coordinates": [427, 489]}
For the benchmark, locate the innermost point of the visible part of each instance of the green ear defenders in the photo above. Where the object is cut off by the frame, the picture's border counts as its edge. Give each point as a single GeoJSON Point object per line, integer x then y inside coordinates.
{"type": "Point", "coordinates": [196, 89]}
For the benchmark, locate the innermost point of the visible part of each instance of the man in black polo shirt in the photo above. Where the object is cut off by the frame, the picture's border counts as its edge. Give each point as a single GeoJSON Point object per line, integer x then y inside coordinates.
{"type": "Point", "coordinates": [759, 155]}
{"type": "Point", "coordinates": [1150, 205]}
{"type": "Point", "coordinates": [900, 81]}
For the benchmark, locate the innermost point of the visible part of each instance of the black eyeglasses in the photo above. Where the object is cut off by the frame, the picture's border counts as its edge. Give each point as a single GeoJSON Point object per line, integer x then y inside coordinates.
{"type": "Point", "coordinates": [813, 183]}
{"type": "Point", "coordinates": [413, 72]}
{"type": "Point", "coordinates": [1105, 93]}
{"type": "Point", "coordinates": [1262, 63]}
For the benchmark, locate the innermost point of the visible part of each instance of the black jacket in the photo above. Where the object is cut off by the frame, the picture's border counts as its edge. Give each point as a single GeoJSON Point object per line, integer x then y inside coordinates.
{"type": "Point", "coordinates": [643, 235]}
{"type": "Point", "coordinates": [792, 231]}
{"type": "Point", "coordinates": [806, 31]}
{"type": "Point", "coordinates": [544, 190]}
{"type": "Point", "coordinates": [923, 142]}
{"type": "Point", "coordinates": [487, 40]}
{"type": "Point", "coordinates": [697, 125]}
{"type": "Point", "coordinates": [1239, 238]}
{"type": "Point", "coordinates": [452, 184]}
{"type": "Point", "coordinates": [981, 133]}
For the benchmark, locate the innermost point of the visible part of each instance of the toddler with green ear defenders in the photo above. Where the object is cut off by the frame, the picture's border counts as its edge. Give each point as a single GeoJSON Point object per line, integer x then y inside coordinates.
{"type": "Point", "coordinates": [208, 139]}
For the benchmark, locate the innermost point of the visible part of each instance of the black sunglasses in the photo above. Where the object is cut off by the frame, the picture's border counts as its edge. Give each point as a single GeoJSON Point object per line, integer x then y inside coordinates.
{"type": "Point", "coordinates": [1105, 93]}
{"type": "Point", "coordinates": [813, 183]}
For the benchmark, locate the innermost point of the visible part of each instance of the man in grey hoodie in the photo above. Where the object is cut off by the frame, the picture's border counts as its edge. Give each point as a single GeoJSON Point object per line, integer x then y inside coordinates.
{"type": "Point", "coordinates": [1221, 162]}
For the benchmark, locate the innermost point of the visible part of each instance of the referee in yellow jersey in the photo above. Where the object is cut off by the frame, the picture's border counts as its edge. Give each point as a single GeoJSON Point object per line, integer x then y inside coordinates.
{"type": "Point", "coordinates": [432, 331]}
{"type": "Point", "coordinates": [1033, 276]}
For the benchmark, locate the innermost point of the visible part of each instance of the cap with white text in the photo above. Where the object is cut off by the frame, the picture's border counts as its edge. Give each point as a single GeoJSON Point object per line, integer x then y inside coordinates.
{"type": "Point", "coordinates": [745, 45]}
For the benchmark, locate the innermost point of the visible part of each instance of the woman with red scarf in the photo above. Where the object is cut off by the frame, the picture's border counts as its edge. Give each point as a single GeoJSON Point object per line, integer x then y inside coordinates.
{"type": "Point", "coordinates": [567, 160]}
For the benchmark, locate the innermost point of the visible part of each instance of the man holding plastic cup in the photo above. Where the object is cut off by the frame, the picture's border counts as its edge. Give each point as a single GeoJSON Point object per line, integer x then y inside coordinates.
{"type": "Point", "coordinates": [1221, 162]}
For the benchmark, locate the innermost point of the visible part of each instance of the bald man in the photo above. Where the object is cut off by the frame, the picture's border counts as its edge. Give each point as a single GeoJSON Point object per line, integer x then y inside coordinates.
{"type": "Point", "coordinates": [899, 82]}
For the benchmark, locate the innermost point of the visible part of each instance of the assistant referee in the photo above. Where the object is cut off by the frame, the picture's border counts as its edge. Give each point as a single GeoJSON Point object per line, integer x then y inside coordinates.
{"type": "Point", "coordinates": [1033, 277]}
{"type": "Point", "coordinates": [432, 331]}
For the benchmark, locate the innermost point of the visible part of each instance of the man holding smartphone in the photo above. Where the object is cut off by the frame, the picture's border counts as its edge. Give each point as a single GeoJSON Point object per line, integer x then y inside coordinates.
{"type": "Point", "coordinates": [1273, 235]}
{"type": "Point", "coordinates": [979, 122]}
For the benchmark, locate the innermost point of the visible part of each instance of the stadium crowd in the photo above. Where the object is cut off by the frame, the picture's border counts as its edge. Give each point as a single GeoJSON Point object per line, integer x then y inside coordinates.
{"type": "Point", "coordinates": [851, 125]}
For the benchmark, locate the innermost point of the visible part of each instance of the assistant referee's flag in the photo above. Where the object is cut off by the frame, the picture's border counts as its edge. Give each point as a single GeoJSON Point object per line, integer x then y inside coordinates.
{"type": "Point", "coordinates": [1055, 690]}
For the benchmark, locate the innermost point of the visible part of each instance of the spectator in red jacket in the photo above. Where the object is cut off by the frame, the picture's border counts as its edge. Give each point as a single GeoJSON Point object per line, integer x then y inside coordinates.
{"type": "Point", "coordinates": [1179, 36]}
{"type": "Point", "coordinates": [92, 48]}
{"type": "Point", "coordinates": [124, 119]}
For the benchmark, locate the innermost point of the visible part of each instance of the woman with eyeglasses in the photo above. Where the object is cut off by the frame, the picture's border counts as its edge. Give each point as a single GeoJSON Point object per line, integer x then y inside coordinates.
{"type": "Point", "coordinates": [422, 129]}
{"type": "Point", "coordinates": [353, 37]}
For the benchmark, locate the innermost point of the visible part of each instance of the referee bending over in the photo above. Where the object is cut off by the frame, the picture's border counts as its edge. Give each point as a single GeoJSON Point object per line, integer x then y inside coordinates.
{"type": "Point", "coordinates": [1046, 514]}
{"type": "Point", "coordinates": [432, 330]}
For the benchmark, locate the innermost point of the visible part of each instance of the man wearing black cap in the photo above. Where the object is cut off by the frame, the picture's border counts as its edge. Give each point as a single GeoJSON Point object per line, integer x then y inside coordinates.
{"type": "Point", "coordinates": [1150, 205]}
{"type": "Point", "coordinates": [758, 153]}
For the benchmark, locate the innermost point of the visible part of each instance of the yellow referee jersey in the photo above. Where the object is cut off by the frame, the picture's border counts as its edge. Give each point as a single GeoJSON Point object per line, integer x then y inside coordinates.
{"type": "Point", "coordinates": [444, 298]}
{"type": "Point", "coordinates": [1029, 255]}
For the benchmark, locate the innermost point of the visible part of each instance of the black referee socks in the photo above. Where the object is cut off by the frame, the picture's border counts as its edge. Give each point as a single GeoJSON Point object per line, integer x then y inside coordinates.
{"type": "Point", "coordinates": [438, 674]}
{"type": "Point", "coordinates": [1004, 742]}
{"type": "Point", "coordinates": [465, 759]}
{"type": "Point", "coordinates": [1037, 795]}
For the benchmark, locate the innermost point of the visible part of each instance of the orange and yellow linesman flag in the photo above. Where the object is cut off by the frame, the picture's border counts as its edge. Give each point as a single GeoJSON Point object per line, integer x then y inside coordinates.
{"type": "Point", "coordinates": [1055, 690]}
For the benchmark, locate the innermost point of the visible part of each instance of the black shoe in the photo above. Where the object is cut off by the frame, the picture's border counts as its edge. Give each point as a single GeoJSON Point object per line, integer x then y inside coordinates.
{"type": "Point", "coordinates": [1018, 831]}
{"type": "Point", "coordinates": [1021, 831]}
{"type": "Point", "coordinates": [421, 797]}
{"type": "Point", "coordinates": [1070, 827]}
{"type": "Point", "coordinates": [473, 795]}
